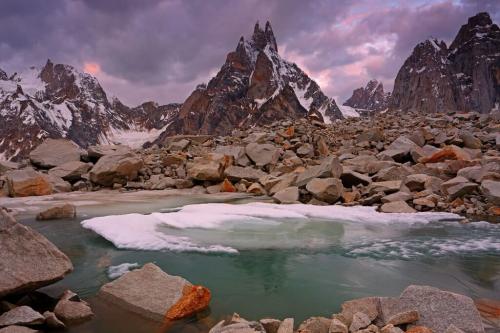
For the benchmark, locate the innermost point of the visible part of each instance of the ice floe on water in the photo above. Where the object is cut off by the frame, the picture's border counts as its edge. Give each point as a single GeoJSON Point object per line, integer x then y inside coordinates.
{"type": "Point", "coordinates": [115, 272]}
{"type": "Point", "coordinates": [353, 231]}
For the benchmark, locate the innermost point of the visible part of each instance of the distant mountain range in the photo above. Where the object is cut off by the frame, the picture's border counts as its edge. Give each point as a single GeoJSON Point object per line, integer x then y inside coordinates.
{"type": "Point", "coordinates": [255, 86]}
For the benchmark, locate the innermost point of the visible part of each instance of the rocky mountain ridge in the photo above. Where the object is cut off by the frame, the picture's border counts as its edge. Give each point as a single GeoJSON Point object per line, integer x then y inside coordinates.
{"type": "Point", "coordinates": [370, 98]}
{"type": "Point", "coordinates": [255, 86]}
{"type": "Point", "coordinates": [462, 77]}
{"type": "Point", "coordinates": [57, 101]}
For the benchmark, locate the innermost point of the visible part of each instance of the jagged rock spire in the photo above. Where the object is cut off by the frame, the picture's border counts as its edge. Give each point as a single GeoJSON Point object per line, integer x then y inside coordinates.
{"type": "Point", "coordinates": [476, 26]}
{"type": "Point", "coordinates": [3, 75]}
{"type": "Point", "coordinates": [261, 38]}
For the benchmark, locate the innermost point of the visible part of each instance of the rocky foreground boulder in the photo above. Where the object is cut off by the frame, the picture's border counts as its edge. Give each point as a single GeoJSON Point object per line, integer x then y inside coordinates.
{"type": "Point", "coordinates": [156, 295]}
{"type": "Point", "coordinates": [419, 309]}
{"type": "Point", "coordinates": [55, 152]}
{"type": "Point", "coordinates": [28, 260]}
{"type": "Point", "coordinates": [27, 182]}
{"type": "Point", "coordinates": [116, 168]}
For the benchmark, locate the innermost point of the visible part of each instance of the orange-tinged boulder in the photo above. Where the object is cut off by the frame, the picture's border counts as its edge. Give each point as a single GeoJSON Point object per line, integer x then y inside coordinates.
{"type": "Point", "coordinates": [447, 153]}
{"type": "Point", "coordinates": [27, 182]}
{"type": "Point", "coordinates": [489, 310]}
{"type": "Point", "coordinates": [194, 299]}
{"type": "Point", "coordinates": [227, 186]}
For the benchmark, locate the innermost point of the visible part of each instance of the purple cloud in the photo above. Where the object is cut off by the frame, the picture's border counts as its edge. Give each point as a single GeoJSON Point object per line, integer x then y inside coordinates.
{"type": "Point", "coordinates": [160, 49]}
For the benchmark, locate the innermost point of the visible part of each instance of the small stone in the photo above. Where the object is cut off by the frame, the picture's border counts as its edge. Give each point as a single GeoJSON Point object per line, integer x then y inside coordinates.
{"type": "Point", "coordinates": [406, 317]}
{"type": "Point", "coordinates": [338, 327]}
{"type": "Point", "coordinates": [52, 321]}
{"type": "Point", "coordinates": [397, 207]}
{"type": "Point", "coordinates": [257, 189]}
{"type": "Point", "coordinates": [359, 320]}
{"type": "Point", "coordinates": [227, 186]}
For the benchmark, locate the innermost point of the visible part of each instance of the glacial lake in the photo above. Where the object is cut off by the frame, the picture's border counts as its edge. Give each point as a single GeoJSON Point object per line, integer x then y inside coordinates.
{"type": "Point", "coordinates": [276, 264]}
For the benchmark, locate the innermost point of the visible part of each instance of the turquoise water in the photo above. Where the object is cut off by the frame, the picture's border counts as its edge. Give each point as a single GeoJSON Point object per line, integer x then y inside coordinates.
{"type": "Point", "coordinates": [291, 269]}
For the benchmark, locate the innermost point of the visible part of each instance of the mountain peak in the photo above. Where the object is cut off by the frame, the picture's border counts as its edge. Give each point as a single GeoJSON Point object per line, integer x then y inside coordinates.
{"type": "Point", "coordinates": [262, 38]}
{"type": "Point", "coordinates": [477, 27]}
{"type": "Point", "coordinates": [480, 19]}
{"type": "Point", "coordinates": [372, 97]}
{"type": "Point", "coordinates": [3, 75]}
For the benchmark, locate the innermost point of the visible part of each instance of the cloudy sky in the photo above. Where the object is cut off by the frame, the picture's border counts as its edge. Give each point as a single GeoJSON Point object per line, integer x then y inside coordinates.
{"type": "Point", "coordinates": [161, 49]}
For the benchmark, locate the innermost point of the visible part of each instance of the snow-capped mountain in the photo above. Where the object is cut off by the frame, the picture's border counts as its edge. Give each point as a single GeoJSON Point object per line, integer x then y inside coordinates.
{"type": "Point", "coordinates": [57, 101]}
{"type": "Point", "coordinates": [254, 86]}
{"type": "Point", "coordinates": [463, 77]}
{"type": "Point", "coordinates": [369, 98]}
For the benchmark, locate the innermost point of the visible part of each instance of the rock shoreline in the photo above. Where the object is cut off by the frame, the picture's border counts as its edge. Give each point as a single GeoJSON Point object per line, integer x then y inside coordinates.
{"type": "Point", "coordinates": [397, 162]}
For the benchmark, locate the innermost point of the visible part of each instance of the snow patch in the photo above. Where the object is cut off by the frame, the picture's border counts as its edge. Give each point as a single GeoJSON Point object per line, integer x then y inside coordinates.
{"type": "Point", "coordinates": [118, 270]}
{"type": "Point", "coordinates": [348, 112]}
{"type": "Point", "coordinates": [162, 231]}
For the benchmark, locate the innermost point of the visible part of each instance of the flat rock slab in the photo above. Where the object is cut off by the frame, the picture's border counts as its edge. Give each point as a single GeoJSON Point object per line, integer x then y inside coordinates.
{"type": "Point", "coordinates": [28, 260]}
{"type": "Point", "coordinates": [55, 152]}
{"type": "Point", "coordinates": [17, 329]}
{"type": "Point", "coordinates": [438, 309]}
{"type": "Point", "coordinates": [154, 294]}
{"type": "Point", "coordinates": [22, 315]}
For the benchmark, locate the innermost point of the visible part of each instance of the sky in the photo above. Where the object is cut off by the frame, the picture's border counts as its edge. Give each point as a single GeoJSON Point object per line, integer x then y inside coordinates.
{"type": "Point", "coordinates": [160, 50]}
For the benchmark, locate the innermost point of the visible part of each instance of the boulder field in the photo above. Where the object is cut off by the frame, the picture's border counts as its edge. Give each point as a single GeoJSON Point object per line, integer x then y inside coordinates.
{"type": "Point", "coordinates": [399, 162]}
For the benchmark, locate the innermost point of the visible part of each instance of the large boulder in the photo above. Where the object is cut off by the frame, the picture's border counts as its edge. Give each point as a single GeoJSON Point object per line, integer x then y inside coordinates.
{"type": "Point", "coordinates": [287, 195]}
{"type": "Point", "coordinates": [209, 168]}
{"type": "Point", "coordinates": [154, 294]}
{"type": "Point", "coordinates": [28, 260]}
{"type": "Point", "coordinates": [98, 151]}
{"type": "Point", "coordinates": [237, 173]}
{"type": "Point", "coordinates": [397, 207]}
{"type": "Point", "coordinates": [21, 315]}
{"type": "Point", "coordinates": [55, 152]}
{"type": "Point", "coordinates": [116, 168]}
{"type": "Point", "coordinates": [326, 189]}
{"type": "Point", "coordinates": [437, 309]}
{"type": "Point", "coordinates": [491, 190]}
{"type": "Point", "coordinates": [329, 167]}
{"type": "Point", "coordinates": [263, 154]}
{"type": "Point", "coordinates": [400, 149]}
{"type": "Point", "coordinates": [27, 182]}
{"type": "Point", "coordinates": [71, 171]}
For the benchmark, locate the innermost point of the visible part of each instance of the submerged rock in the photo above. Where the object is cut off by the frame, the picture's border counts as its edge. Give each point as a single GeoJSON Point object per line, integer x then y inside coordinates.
{"type": "Point", "coordinates": [64, 211]}
{"type": "Point", "coordinates": [28, 260]}
{"type": "Point", "coordinates": [154, 294]}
